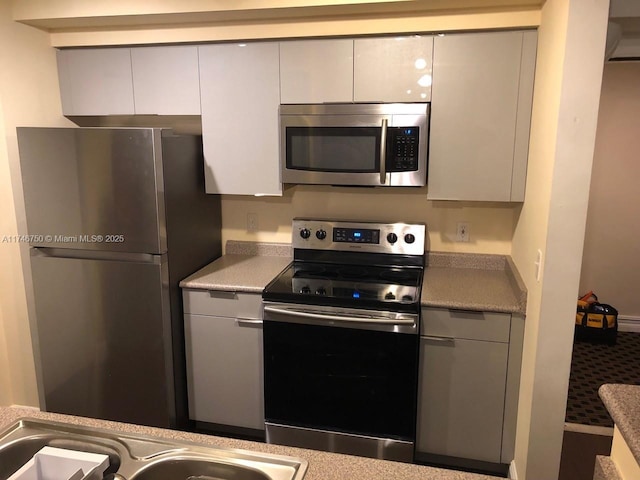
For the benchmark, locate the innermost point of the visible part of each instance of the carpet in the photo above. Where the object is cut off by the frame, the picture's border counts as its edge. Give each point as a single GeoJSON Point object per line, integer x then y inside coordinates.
{"type": "Point", "coordinates": [595, 364]}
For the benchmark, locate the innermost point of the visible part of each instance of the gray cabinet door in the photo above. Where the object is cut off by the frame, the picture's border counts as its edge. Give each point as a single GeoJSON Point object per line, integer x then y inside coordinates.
{"type": "Point", "coordinates": [316, 71]}
{"type": "Point", "coordinates": [224, 370]}
{"type": "Point", "coordinates": [480, 115]}
{"type": "Point", "coordinates": [240, 100]}
{"type": "Point", "coordinates": [461, 398]}
{"type": "Point", "coordinates": [96, 81]}
{"type": "Point", "coordinates": [165, 80]}
{"type": "Point", "coordinates": [397, 69]}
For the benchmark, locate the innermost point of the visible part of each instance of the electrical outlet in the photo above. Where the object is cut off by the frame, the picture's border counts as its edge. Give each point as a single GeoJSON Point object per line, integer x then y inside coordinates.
{"type": "Point", "coordinates": [252, 222]}
{"type": "Point", "coordinates": [462, 233]}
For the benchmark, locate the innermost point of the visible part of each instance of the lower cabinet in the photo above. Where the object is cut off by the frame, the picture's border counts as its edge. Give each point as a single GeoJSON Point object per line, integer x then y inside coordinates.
{"type": "Point", "coordinates": [224, 359]}
{"type": "Point", "coordinates": [469, 375]}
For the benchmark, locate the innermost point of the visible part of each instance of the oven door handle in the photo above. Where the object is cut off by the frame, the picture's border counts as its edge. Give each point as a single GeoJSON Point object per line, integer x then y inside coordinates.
{"type": "Point", "coordinates": [341, 318]}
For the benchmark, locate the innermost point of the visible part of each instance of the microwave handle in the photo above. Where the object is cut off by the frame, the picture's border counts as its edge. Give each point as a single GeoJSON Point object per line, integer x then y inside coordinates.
{"type": "Point", "coordinates": [383, 152]}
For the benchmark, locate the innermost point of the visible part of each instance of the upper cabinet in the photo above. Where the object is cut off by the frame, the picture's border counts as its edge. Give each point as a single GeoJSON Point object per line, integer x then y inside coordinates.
{"type": "Point", "coordinates": [393, 69]}
{"type": "Point", "coordinates": [240, 100]}
{"type": "Point", "coordinates": [316, 71]}
{"type": "Point", "coordinates": [96, 81]}
{"type": "Point", "coordinates": [165, 80]}
{"type": "Point", "coordinates": [480, 86]}
{"type": "Point", "coordinates": [389, 69]}
{"type": "Point", "coordinates": [480, 115]}
{"type": "Point", "coordinates": [125, 81]}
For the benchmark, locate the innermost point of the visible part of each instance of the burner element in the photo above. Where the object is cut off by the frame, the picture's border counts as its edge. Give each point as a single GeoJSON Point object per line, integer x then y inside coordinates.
{"type": "Point", "coordinates": [352, 271]}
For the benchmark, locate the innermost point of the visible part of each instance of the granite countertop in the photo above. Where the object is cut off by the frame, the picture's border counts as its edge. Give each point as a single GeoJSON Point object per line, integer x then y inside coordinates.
{"type": "Point", "coordinates": [623, 404]}
{"type": "Point", "coordinates": [473, 282]}
{"type": "Point", "coordinates": [451, 280]}
{"type": "Point", "coordinates": [245, 267]}
{"type": "Point", "coordinates": [322, 465]}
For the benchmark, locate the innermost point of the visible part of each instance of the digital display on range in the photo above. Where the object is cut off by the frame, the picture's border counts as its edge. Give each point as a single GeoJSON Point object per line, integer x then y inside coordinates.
{"type": "Point", "coordinates": [356, 235]}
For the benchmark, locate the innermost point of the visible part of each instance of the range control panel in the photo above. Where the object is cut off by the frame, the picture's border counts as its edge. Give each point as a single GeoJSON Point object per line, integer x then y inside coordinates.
{"type": "Point", "coordinates": [397, 238]}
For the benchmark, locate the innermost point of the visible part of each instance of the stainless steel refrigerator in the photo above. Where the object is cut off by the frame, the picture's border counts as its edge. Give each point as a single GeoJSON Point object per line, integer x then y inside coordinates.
{"type": "Point", "coordinates": [116, 217]}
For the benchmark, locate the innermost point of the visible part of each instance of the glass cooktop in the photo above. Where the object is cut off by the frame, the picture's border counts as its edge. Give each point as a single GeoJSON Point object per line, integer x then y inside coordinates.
{"type": "Point", "coordinates": [396, 288]}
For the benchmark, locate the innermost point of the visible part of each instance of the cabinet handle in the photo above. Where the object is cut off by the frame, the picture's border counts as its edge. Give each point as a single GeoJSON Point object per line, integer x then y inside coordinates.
{"type": "Point", "coordinates": [248, 321]}
{"type": "Point", "coordinates": [468, 312]}
{"type": "Point", "coordinates": [438, 339]}
{"type": "Point", "coordinates": [383, 152]}
{"type": "Point", "coordinates": [222, 294]}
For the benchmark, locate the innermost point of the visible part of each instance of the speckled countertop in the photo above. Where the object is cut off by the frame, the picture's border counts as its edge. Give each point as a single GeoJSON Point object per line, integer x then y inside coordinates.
{"type": "Point", "coordinates": [245, 267]}
{"type": "Point", "coordinates": [451, 280]}
{"type": "Point", "coordinates": [623, 404]}
{"type": "Point", "coordinates": [322, 465]}
{"type": "Point", "coordinates": [473, 282]}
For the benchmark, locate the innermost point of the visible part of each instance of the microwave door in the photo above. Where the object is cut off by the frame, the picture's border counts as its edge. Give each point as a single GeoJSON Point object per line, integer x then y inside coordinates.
{"type": "Point", "coordinates": [335, 150]}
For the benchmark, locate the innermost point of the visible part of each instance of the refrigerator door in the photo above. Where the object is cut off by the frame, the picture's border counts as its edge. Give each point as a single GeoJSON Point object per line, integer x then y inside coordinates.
{"type": "Point", "coordinates": [94, 188]}
{"type": "Point", "coordinates": [104, 335]}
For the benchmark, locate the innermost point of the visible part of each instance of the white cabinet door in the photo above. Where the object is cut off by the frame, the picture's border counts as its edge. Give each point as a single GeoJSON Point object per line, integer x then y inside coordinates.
{"type": "Point", "coordinates": [480, 114]}
{"type": "Point", "coordinates": [316, 71]}
{"type": "Point", "coordinates": [240, 100]}
{"type": "Point", "coordinates": [461, 398]}
{"type": "Point", "coordinates": [224, 371]}
{"type": "Point", "coordinates": [165, 80]}
{"type": "Point", "coordinates": [393, 69]}
{"type": "Point", "coordinates": [96, 81]}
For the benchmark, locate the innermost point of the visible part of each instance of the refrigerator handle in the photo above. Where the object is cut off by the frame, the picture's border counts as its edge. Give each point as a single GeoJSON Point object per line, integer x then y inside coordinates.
{"type": "Point", "coordinates": [96, 255]}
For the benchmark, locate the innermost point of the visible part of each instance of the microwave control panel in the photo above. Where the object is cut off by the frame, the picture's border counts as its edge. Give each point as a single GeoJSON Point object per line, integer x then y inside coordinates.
{"type": "Point", "coordinates": [402, 149]}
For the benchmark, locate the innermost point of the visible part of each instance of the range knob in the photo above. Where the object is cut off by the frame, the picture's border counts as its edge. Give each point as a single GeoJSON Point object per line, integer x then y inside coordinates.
{"type": "Point", "coordinates": [409, 238]}
{"type": "Point", "coordinates": [407, 298]}
{"type": "Point", "coordinates": [392, 238]}
{"type": "Point", "coordinates": [305, 290]}
{"type": "Point", "coordinates": [321, 291]}
{"type": "Point", "coordinates": [321, 234]}
{"type": "Point", "coordinates": [390, 296]}
{"type": "Point", "coordinates": [305, 233]}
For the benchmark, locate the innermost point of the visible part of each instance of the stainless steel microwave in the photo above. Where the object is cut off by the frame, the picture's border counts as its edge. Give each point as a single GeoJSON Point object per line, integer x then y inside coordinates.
{"type": "Point", "coordinates": [355, 144]}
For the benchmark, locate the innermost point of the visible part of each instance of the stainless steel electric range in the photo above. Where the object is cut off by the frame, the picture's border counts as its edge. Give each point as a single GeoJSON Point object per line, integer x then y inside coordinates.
{"type": "Point", "coordinates": [341, 339]}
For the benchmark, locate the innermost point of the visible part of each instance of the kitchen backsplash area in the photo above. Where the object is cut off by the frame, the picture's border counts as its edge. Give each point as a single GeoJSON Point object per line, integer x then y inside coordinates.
{"type": "Point", "coordinates": [490, 225]}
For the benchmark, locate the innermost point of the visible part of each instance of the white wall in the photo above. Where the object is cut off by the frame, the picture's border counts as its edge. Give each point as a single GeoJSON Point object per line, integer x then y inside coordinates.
{"type": "Point", "coordinates": [568, 76]}
{"type": "Point", "coordinates": [611, 259]}
{"type": "Point", "coordinates": [28, 96]}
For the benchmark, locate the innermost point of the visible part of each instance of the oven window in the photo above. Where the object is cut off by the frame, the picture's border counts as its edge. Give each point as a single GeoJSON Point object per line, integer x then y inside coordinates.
{"type": "Point", "coordinates": [341, 379]}
{"type": "Point", "coordinates": [334, 149]}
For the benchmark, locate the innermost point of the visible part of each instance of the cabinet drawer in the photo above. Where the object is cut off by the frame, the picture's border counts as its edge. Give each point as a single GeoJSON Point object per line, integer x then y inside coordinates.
{"type": "Point", "coordinates": [222, 303]}
{"type": "Point", "coordinates": [443, 322]}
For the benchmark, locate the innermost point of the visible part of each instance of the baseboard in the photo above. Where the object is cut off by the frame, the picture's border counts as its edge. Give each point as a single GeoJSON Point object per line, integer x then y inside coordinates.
{"type": "Point", "coordinates": [590, 429]}
{"type": "Point", "coordinates": [513, 474]}
{"type": "Point", "coordinates": [628, 323]}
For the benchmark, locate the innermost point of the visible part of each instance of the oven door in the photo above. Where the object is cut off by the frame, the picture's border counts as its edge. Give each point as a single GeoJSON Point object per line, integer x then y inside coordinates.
{"type": "Point", "coordinates": [371, 145]}
{"type": "Point", "coordinates": [337, 385]}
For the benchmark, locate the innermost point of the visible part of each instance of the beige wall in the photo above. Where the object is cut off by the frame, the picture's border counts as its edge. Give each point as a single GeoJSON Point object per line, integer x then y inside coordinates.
{"type": "Point", "coordinates": [611, 260]}
{"type": "Point", "coordinates": [213, 20]}
{"type": "Point", "coordinates": [490, 224]}
{"type": "Point", "coordinates": [568, 76]}
{"type": "Point", "coordinates": [28, 96]}
{"type": "Point", "coordinates": [5, 198]}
